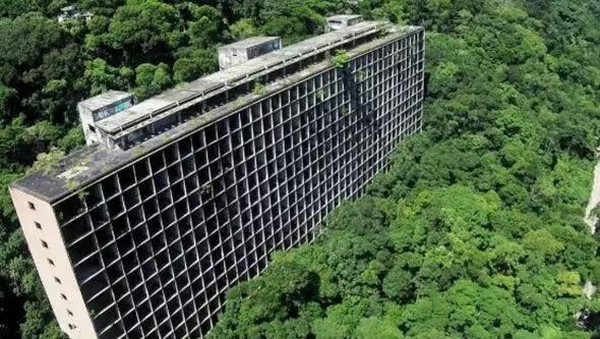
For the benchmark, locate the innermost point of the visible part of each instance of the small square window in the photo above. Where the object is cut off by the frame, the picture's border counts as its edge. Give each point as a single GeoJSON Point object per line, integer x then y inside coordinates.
{"type": "Point", "coordinates": [51, 262]}
{"type": "Point", "coordinates": [63, 296]}
{"type": "Point", "coordinates": [57, 280]}
{"type": "Point", "coordinates": [37, 225]}
{"type": "Point", "coordinates": [31, 205]}
{"type": "Point", "coordinates": [44, 244]}
{"type": "Point", "coordinates": [92, 128]}
{"type": "Point", "coordinates": [69, 313]}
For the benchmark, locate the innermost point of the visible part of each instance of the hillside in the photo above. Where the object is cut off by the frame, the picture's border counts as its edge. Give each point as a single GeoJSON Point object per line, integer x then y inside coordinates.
{"type": "Point", "coordinates": [477, 230]}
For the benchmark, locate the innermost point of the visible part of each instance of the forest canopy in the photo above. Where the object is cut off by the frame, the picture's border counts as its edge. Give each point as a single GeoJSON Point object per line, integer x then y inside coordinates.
{"type": "Point", "coordinates": [476, 231]}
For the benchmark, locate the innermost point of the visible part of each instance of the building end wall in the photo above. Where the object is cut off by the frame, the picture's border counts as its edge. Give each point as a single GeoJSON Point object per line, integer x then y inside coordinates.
{"type": "Point", "coordinates": [86, 118]}
{"type": "Point", "coordinates": [47, 248]}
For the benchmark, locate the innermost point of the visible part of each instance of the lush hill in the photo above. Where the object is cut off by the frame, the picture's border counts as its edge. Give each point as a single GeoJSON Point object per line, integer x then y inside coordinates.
{"type": "Point", "coordinates": [475, 232]}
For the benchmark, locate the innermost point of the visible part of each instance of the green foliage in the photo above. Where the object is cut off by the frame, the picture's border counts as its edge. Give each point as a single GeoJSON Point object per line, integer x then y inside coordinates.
{"type": "Point", "coordinates": [476, 231]}
{"type": "Point", "coordinates": [143, 27]}
{"type": "Point", "coordinates": [340, 59]}
{"type": "Point", "coordinates": [243, 29]}
{"type": "Point", "coordinates": [259, 89]}
{"type": "Point", "coordinates": [294, 19]}
{"type": "Point", "coordinates": [194, 65]}
{"type": "Point", "coordinates": [320, 95]}
{"type": "Point", "coordinates": [47, 162]}
{"type": "Point", "coordinates": [151, 80]}
{"type": "Point", "coordinates": [73, 140]}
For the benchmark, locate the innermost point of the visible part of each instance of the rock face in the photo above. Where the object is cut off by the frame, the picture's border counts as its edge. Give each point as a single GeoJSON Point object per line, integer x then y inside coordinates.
{"type": "Point", "coordinates": [590, 219]}
{"type": "Point", "coordinates": [589, 289]}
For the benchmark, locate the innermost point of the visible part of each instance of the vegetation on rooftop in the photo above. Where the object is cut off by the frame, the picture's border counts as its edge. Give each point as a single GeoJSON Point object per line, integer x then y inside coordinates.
{"type": "Point", "coordinates": [47, 163]}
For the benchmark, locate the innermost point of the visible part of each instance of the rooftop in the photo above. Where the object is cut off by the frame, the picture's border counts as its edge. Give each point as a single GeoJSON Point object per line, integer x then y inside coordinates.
{"type": "Point", "coordinates": [104, 99]}
{"type": "Point", "coordinates": [343, 17]}
{"type": "Point", "coordinates": [207, 85]}
{"type": "Point", "coordinates": [92, 163]}
{"type": "Point", "coordinates": [250, 42]}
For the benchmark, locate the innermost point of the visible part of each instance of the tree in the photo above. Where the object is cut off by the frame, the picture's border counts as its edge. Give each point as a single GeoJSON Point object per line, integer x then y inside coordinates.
{"type": "Point", "coordinates": [243, 29]}
{"type": "Point", "coordinates": [476, 229]}
{"type": "Point", "coordinates": [293, 20]}
{"type": "Point", "coordinates": [198, 63]}
{"type": "Point", "coordinates": [144, 30]}
{"type": "Point", "coordinates": [206, 27]}
{"type": "Point", "coordinates": [151, 79]}
{"type": "Point", "coordinates": [373, 327]}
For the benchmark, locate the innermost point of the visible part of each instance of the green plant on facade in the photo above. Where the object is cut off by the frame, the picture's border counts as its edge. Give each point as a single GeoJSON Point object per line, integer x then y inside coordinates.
{"type": "Point", "coordinates": [341, 59]}
{"type": "Point", "coordinates": [320, 95]}
{"type": "Point", "coordinates": [259, 89]}
{"type": "Point", "coordinates": [72, 185]}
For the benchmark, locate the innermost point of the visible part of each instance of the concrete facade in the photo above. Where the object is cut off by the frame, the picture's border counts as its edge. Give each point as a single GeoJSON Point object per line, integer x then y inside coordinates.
{"type": "Point", "coordinates": [49, 253]}
{"type": "Point", "coordinates": [151, 237]}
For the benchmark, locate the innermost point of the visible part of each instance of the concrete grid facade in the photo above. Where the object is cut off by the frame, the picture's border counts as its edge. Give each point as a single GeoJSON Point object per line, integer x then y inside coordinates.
{"type": "Point", "coordinates": [155, 245]}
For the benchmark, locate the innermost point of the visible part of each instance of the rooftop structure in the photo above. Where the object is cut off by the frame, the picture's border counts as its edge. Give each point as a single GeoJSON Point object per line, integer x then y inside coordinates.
{"type": "Point", "coordinates": [244, 50]}
{"type": "Point", "coordinates": [144, 240]}
{"type": "Point", "coordinates": [104, 100]}
{"type": "Point", "coordinates": [341, 21]}
{"type": "Point", "coordinates": [157, 114]}
{"type": "Point", "coordinates": [101, 107]}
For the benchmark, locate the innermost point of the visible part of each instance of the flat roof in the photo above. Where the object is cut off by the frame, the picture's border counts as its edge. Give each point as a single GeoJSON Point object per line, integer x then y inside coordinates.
{"type": "Point", "coordinates": [250, 42]}
{"type": "Point", "coordinates": [93, 163]}
{"type": "Point", "coordinates": [102, 100]}
{"type": "Point", "coordinates": [211, 83]}
{"type": "Point", "coordinates": [344, 17]}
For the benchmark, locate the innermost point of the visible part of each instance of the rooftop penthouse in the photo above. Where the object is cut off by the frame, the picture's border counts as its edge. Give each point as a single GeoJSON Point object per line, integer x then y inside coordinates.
{"type": "Point", "coordinates": [244, 50]}
{"type": "Point", "coordinates": [101, 107]}
{"type": "Point", "coordinates": [175, 106]}
{"type": "Point", "coordinates": [154, 122]}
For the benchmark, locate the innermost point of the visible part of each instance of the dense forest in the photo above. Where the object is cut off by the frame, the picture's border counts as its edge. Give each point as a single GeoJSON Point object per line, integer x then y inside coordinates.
{"type": "Point", "coordinates": [477, 229]}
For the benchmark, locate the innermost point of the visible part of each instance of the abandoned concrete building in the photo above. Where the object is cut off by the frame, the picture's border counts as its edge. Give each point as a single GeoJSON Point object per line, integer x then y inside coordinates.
{"type": "Point", "coordinates": [181, 196]}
